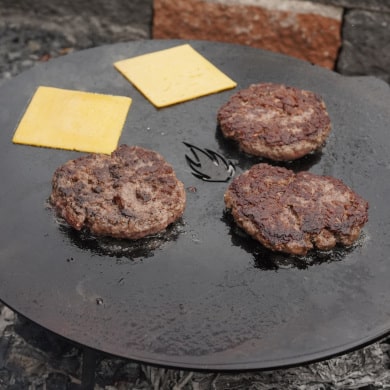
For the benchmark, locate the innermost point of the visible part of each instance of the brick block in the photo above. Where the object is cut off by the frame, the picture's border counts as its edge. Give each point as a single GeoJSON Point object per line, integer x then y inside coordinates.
{"type": "Point", "coordinates": [298, 28]}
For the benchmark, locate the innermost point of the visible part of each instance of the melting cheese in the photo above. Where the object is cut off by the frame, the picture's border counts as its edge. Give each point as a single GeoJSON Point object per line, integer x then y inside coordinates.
{"type": "Point", "coordinates": [174, 75]}
{"type": "Point", "coordinates": [73, 120]}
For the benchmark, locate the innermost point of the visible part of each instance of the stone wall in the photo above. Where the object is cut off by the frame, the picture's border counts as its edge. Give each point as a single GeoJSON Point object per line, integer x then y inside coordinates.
{"type": "Point", "coordinates": [350, 36]}
{"type": "Point", "coordinates": [297, 28]}
{"type": "Point", "coordinates": [365, 37]}
{"type": "Point", "coordinates": [83, 23]}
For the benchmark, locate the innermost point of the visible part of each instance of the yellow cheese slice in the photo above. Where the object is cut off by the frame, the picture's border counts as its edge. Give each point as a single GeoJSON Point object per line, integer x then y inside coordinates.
{"type": "Point", "coordinates": [174, 75]}
{"type": "Point", "coordinates": [73, 120]}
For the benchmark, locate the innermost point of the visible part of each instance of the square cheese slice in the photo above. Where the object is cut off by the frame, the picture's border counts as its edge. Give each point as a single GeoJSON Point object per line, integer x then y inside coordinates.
{"type": "Point", "coordinates": [174, 75]}
{"type": "Point", "coordinates": [73, 120]}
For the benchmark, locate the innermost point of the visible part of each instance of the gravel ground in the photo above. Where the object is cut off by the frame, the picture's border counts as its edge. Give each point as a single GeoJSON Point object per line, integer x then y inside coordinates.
{"type": "Point", "coordinates": [22, 49]}
{"type": "Point", "coordinates": [32, 358]}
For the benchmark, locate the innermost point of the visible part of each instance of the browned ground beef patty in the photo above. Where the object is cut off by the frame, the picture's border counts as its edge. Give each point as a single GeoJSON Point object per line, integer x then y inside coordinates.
{"type": "Point", "coordinates": [294, 213]}
{"type": "Point", "coordinates": [130, 194]}
{"type": "Point", "coordinates": [275, 121]}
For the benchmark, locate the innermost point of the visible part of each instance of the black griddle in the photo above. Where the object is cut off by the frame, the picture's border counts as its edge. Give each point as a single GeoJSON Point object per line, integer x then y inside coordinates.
{"type": "Point", "coordinates": [201, 295]}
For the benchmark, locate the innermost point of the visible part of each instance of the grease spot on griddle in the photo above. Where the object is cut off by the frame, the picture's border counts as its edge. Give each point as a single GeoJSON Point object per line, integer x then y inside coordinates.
{"type": "Point", "coordinates": [267, 260]}
{"type": "Point", "coordinates": [122, 250]}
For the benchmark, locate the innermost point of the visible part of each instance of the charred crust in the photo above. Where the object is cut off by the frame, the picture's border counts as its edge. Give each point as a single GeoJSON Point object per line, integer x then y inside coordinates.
{"type": "Point", "coordinates": [130, 194]}
{"type": "Point", "coordinates": [293, 213]}
{"type": "Point", "coordinates": [275, 121]}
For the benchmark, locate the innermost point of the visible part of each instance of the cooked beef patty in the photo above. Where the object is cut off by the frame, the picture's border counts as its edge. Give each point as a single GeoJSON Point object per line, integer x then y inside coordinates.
{"type": "Point", "coordinates": [130, 194]}
{"type": "Point", "coordinates": [294, 213]}
{"type": "Point", "coordinates": [275, 121]}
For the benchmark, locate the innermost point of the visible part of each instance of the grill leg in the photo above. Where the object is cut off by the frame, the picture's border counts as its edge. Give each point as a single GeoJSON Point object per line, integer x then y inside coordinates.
{"type": "Point", "coordinates": [88, 369]}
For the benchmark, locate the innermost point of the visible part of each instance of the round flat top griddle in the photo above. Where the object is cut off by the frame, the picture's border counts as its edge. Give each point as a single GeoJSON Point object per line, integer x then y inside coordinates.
{"type": "Point", "coordinates": [201, 295]}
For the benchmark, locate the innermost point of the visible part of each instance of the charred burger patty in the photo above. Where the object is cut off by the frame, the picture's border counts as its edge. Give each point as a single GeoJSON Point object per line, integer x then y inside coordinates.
{"type": "Point", "coordinates": [294, 213]}
{"type": "Point", "coordinates": [130, 194]}
{"type": "Point", "coordinates": [275, 121]}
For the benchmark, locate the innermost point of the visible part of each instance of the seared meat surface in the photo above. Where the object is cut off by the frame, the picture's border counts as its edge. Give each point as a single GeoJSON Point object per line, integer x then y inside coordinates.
{"type": "Point", "coordinates": [130, 194]}
{"type": "Point", "coordinates": [275, 121]}
{"type": "Point", "coordinates": [294, 213]}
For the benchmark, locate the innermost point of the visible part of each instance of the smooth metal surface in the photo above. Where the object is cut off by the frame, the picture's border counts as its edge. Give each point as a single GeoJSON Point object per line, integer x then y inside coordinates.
{"type": "Point", "coordinates": [202, 295]}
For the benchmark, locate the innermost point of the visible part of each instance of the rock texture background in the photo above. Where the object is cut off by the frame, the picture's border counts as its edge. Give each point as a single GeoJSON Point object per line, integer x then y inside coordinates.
{"type": "Point", "coordinates": [300, 29]}
{"type": "Point", "coordinates": [85, 23]}
{"type": "Point", "coordinates": [351, 37]}
{"type": "Point", "coordinates": [365, 48]}
{"type": "Point", "coordinates": [34, 359]}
